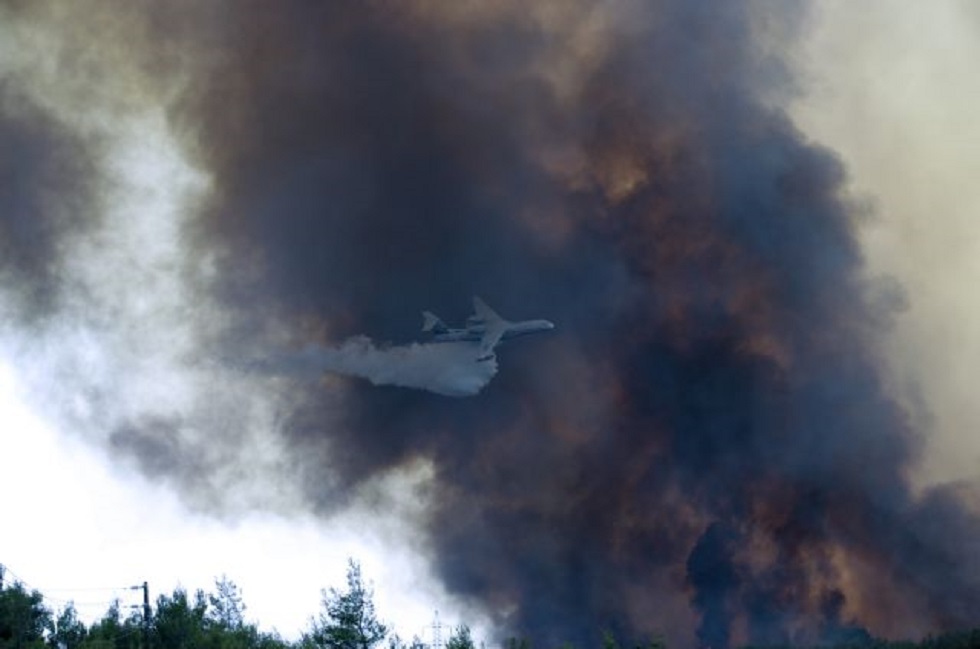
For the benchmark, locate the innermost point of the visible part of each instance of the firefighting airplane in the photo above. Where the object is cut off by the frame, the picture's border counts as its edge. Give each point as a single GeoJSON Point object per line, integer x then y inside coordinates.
{"type": "Point", "coordinates": [484, 326]}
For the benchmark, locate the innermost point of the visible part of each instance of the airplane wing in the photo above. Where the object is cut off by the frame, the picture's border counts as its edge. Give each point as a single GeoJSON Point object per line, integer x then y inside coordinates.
{"type": "Point", "coordinates": [491, 337]}
{"type": "Point", "coordinates": [494, 326]}
{"type": "Point", "coordinates": [483, 312]}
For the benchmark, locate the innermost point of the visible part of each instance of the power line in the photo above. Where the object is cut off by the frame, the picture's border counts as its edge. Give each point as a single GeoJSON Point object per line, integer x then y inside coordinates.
{"type": "Point", "coordinates": [6, 569]}
{"type": "Point", "coordinates": [61, 601]}
{"type": "Point", "coordinates": [90, 588]}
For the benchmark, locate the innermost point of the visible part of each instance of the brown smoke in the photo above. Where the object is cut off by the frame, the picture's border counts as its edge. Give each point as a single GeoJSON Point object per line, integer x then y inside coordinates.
{"type": "Point", "coordinates": [705, 446]}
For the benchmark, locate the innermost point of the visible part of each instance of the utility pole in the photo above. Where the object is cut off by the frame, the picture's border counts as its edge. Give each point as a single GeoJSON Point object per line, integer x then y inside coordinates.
{"type": "Point", "coordinates": [146, 612]}
{"type": "Point", "coordinates": [146, 616]}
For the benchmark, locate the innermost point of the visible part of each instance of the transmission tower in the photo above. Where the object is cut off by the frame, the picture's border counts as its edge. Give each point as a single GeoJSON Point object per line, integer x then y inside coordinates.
{"type": "Point", "coordinates": [436, 633]}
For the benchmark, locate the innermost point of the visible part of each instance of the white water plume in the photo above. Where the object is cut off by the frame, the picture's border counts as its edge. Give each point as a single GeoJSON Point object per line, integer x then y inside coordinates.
{"type": "Point", "coordinates": [451, 369]}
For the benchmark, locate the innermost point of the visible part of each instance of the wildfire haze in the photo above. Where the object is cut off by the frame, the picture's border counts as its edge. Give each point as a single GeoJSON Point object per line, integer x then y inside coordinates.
{"type": "Point", "coordinates": [706, 447]}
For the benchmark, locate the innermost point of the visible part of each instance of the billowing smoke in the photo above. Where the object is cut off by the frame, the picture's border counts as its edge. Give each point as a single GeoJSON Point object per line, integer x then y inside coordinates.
{"type": "Point", "coordinates": [706, 448]}
{"type": "Point", "coordinates": [452, 369]}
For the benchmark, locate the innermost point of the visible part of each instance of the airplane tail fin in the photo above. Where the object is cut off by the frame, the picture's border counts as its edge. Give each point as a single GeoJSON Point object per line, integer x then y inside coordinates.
{"type": "Point", "coordinates": [432, 323]}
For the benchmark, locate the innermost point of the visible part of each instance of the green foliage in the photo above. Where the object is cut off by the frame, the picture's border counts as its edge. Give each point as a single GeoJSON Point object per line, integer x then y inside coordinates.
{"type": "Point", "coordinates": [204, 621]}
{"type": "Point", "coordinates": [348, 620]}
{"type": "Point", "coordinates": [23, 618]}
{"type": "Point", "coordinates": [658, 643]}
{"type": "Point", "coordinates": [227, 611]}
{"type": "Point", "coordinates": [655, 642]}
{"type": "Point", "coordinates": [216, 620]}
{"type": "Point", "coordinates": [113, 632]}
{"type": "Point", "coordinates": [68, 632]}
{"type": "Point", "coordinates": [178, 622]}
{"type": "Point", "coordinates": [969, 639]}
{"type": "Point", "coordinates": [395, 642]}
{"type": "Point", "coordinates": [211, 621]}
{"type": "Point", "coordinates": [460, 639]}
{"type": "Point", "coordinates": [609, 641]}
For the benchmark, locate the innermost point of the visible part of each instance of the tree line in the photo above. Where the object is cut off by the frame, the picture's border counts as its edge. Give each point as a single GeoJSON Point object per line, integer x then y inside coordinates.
{"type": "Point", "coordinates": [204, 620]}
{"type": "Point", "coordinates": [216, 620]}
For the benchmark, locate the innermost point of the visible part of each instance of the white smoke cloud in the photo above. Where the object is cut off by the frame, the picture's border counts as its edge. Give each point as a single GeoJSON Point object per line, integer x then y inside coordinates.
{"type": "Point", "coordinates": [450, 369]}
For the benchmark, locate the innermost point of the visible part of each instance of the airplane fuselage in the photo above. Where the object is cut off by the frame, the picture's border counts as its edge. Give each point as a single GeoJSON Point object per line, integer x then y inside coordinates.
{"type": "Point", "coordinates": [475, 333]}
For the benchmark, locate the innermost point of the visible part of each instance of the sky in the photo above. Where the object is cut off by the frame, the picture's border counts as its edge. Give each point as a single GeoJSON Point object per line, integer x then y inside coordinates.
{"type": "Point", "coordinates": [191, 190]}
{"type": "Point", "coordinates": [893, 92]}
{"type": "Point", "coordinates": [80, 531]}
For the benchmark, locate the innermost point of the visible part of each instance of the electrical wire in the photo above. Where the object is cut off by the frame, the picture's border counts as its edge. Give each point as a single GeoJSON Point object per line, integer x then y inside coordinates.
{"type": "Point", "coordinates": [63, 602]}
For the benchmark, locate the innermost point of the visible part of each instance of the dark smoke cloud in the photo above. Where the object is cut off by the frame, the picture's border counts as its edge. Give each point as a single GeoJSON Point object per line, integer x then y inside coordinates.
{"type": "Point", "coordinates": [46, 191]}
{"type": "Point", "coordinates": [706, 445]}
{"type": "Point", "coordinates": [711, 573]}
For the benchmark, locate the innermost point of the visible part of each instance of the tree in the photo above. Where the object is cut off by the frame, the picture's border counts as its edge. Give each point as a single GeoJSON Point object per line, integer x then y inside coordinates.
{"type": "Point", "coordinates": [460, 639]}
{"type": "Point", "coordinates": [657, 642]}
{"type": "Point", "coordinates": [113, 632]}
{"type": "Point", "coordinates": [225, 623]}
{"type": "Point", "coordinates": [347, 620]}
{"type": "Point", "coordinates": [23, 618]}
{"type": "Point", "coordinates": [178, 623]}
{"type": "Point", "coordinates": [395, 642]}
{"type": "Point", "coordinates": [227, 610]}
{"type": "Point", "coordinates": [69, 632]}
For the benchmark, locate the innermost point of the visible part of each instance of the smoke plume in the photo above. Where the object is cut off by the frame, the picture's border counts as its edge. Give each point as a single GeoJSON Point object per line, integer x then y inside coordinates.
{"type": "Point", "coordinates": [706, 448]}
{"type": "Point", "coordinates": [449, 369]}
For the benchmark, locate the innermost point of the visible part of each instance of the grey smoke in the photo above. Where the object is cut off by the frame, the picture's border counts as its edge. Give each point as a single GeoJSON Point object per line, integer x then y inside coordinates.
{"type": "Point", "coordinates": [710, 448]}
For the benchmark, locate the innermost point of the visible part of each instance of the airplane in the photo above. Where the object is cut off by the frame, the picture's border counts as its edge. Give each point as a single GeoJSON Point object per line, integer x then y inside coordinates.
{"type": "Point", "coordinates": [484, 326]}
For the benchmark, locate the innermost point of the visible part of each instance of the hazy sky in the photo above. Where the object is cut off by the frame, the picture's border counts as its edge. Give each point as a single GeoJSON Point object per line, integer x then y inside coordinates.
{"type": "Point", "coordinates": [892, 88]}
{"type": "Point", "coordinates": [78, 530]}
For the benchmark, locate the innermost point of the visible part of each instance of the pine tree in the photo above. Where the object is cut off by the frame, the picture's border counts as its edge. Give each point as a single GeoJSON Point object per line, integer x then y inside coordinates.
{"type": "Point", "coordinates": [348, 620]}
{"type": "Point", "coordinates": [460, 639]}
